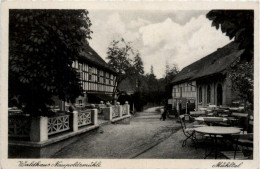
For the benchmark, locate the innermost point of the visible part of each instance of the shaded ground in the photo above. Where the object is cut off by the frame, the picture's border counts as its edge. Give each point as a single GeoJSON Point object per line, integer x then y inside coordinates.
{"type": "Point", "coordinates": [122, 140]}
{"type": "Point", "coordinates": [145, 137]}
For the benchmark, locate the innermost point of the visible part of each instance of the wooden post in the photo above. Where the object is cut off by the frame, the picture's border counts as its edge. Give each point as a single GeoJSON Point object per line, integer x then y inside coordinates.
{"type": "Point", "coordinates": [39, 129]}
{"type": "Point", "coordinates": [94, 114]}
{"type": "Point", "coordinates": [74, 120]}
{"type": "Point", "coordinates": [107, 113]}
{"type": "Point", "coordinates": [127, 108]}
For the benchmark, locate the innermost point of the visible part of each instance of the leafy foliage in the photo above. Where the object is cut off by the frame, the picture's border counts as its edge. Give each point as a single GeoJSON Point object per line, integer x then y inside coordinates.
{"type": "Point", "coordinates": [138, 65]}
{"type": "Point", "coordinates": [156, 91]}
{"type": "Point", "coordinates": [152, 81]}
{"type": "Point", "coordinates": [42, 46]}
{"type": "Point", "coordinates": [124, 60]}
{"type": "Point", "coordinates": [238, 24]}
{"type": "Point", "coordinates": [170, 73]}
{"type": "Point", "coordinates": [243, 79]}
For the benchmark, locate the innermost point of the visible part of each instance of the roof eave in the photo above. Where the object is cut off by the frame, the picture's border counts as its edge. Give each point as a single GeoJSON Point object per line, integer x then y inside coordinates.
{"type": "Point", "coordinates": [99, 65]}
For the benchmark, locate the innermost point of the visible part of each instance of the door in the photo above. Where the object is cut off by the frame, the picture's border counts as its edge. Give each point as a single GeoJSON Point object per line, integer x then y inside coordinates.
{"type": "Point", "coordinates": [219, 94]}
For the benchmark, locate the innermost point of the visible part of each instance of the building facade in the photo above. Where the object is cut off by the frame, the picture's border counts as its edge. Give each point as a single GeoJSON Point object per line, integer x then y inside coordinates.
{"type": "Point", "coordinates": [97, 79]}
{"type": "Point", "coordinates": [97, 83]}
{"type": "Point", "coordinates": [182, 93]}
{"type": "Point", "coordinates": [206, 81]}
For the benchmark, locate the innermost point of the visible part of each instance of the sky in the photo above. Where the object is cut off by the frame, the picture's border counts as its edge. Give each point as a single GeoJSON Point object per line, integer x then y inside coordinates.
{"type": "Point", "coordinates": [172, 37]}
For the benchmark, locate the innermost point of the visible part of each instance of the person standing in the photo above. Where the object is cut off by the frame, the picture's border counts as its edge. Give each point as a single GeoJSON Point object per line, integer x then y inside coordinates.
{"type": "Point", "coordinates": [188, 107]}
{"type": "Point", "coordinates": [163, 114]}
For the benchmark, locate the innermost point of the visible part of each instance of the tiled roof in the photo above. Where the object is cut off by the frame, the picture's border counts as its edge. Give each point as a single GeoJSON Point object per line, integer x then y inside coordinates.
{"type": "Point", "coordinates": [91, 56]}
{"type": "Point", "coordinates": [215, 62]}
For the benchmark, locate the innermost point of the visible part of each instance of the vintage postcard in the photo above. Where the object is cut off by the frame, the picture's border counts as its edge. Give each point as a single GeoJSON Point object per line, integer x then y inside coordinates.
{"type": "Point", "coordinates": [129, 84]}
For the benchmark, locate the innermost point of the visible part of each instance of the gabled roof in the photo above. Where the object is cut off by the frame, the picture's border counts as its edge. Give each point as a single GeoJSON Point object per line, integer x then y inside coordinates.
{"type": "Point", "coordinates": [91, 56]}
{"type": "Point", "coordinates": [213, 63]}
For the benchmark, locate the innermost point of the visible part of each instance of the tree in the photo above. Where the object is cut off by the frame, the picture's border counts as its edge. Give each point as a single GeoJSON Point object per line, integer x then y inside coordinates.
{"type": "Point", "coordinates": [138, 65]}
{"type": "Point", "coordinates": [152, 81]}
{"type": "Point", "coordinates": [239, 24]}
{"type": "Point", "coordinates": [171, 72]}
{"type": "Point", "coordinates": [124, 60]}
{"type": "Point", "coordinates": [42, 46]}
{"type": "Point", "coordinates": [242, 75]}
{"type": "Point", "coordinates": [151, 71]}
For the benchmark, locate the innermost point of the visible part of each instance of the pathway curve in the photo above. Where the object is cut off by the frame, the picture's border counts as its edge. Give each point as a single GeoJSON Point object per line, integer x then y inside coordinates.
{"type": "Point", "coordinates": [144, 132]}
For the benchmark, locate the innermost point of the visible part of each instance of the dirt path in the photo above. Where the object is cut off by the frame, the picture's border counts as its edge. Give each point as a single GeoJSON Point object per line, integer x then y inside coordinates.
{"type": "Point", "coordinates": [144, 132]}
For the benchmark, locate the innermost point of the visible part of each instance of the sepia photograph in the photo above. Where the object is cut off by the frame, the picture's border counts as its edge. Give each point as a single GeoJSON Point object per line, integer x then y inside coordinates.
{"type": "Point", "coordinates": [132, 84]}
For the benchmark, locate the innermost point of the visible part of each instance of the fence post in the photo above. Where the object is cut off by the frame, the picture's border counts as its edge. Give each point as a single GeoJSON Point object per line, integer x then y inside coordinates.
{"type": "Point", "coordinates": [94, 114]}
{"type": "Point", "coordinates": [120, 109]}
{"type": "Point", "coordinates": [107, 113]}
{"type": "Point", "coordinates": [39, 129]}
{"type": "Point", "coordinates": [127, 108]}
{"type": "Point", "coordinates": [74, 117]}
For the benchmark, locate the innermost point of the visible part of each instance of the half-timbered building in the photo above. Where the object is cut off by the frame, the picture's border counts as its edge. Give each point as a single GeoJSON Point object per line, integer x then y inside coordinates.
{"type": "Point", "coordinates": [206, 81]}
{"type": "Point", "coordinates": [97, 77]}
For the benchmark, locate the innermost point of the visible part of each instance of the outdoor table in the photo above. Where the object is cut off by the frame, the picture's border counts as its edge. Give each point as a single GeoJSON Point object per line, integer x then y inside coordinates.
{"type": "Point", "coordinates": [224, 108]}
{"type": "Point", "coordinates": [210, 120]}
{"type": "Point", "coordinates": [213, 119]}
{"type": "Point", "coordinates": [223, 115]}
{"type": "Point", "coordinates": [213, 131]}
{"type": "Point", "coordinates": [238, 119]}
{"type": "Point", "coordinates": [234, 109]}
{"type": "Point", "coordinates": [209, 112]}
{"type": "Point", "coordinates": [15, 111]}
{"type": "Point", "coordinates": [203, 109]}
{"type": "Point", "coordinates": [239, 114]}
{"type": "Point", "coordinates": [232, 120]}
{"type": "Point", "coordinates": [197, 113]}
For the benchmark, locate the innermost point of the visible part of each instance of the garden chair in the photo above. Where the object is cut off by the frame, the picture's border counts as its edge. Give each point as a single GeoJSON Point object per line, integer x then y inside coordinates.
{"type": "Point", "coordinates": [188, 132]}
{"type": "Point", "coordinates": [240, 122]}
{"type": "Point", "coordinates": [245, 141]}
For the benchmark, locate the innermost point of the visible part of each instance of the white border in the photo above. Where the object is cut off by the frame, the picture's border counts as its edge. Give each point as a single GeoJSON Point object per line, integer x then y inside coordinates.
{"type": "Point", "coordinates": [123, 5]}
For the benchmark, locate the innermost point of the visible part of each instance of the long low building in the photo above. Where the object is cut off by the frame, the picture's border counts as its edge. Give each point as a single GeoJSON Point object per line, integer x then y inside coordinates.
{"type": "Point", "coordinates": [206, 81]}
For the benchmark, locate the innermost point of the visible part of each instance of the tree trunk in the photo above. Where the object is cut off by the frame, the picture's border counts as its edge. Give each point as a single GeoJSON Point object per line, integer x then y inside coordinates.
{"type": "Point", "coordinates": [114, 91]}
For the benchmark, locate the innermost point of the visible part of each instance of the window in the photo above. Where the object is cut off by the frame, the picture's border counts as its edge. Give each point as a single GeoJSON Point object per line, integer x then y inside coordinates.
{"type": "Point", "coordinates": [98, 75]}
{"type": "Point", "coordinates": [73, 64]}
{"type": "Point", "coordinates": [104, 78]}
{"type": "Point", "coordinates": [111, 79]}
{"type": "Point", "coordinates": [174, 92]}
{"type": "Point", "coordinates": [76, 64]}
{"type": "Point", "coordinates": [80, 71]}
{"type": "Point", "coordinates": [208, 94]}
{"type": "Point", "coordinates": [80, 102]}
{"type": "Point", "coordinates": [86, 76]}
{"type": "Point", "coordinates": [90, 74]}
{"type": "Point", "coordinates": [80, 67]}
{"type": "Point", "coordinates": [180, 91]}
{"type": "Point", "coordinates": [81, 75]}
{"type": "Point", "coordinates": [200, 94]}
